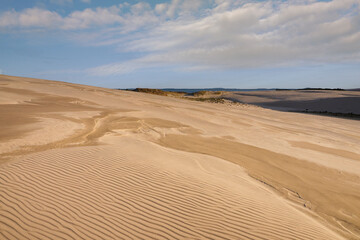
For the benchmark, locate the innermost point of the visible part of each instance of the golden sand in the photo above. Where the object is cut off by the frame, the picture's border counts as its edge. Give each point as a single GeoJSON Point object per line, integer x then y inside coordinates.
{"type": "Point", "coordinates": [81, 162]}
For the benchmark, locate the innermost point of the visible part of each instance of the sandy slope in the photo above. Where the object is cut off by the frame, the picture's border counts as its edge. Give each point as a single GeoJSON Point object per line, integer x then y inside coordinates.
{"type": "Point", "coordinates": [302, 100]}
{"type": "Point", "coordinates": [93, 163]}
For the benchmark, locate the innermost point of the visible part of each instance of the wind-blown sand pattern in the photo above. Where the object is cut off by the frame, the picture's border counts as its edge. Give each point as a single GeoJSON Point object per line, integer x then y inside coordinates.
{"type": "Point", "coordinates": [313, 101]}
{"type": "Point", "coordinates": [125, 165]}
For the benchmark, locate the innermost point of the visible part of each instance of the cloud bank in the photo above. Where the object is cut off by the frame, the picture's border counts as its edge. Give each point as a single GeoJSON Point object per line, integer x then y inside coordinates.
{"type": "Point", "coordinates": [211, 34]}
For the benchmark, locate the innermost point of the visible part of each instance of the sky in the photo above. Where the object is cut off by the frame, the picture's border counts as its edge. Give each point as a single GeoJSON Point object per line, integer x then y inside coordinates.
{"type": "Point", "coordinates": [183, 43]}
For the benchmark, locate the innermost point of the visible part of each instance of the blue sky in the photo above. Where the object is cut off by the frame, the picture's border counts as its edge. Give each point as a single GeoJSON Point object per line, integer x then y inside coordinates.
{"type": "Point", "coordinates": [183, 43]}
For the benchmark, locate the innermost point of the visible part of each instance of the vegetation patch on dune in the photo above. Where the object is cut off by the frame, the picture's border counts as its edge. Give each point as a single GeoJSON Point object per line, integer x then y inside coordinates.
{"type": "Point", "coordinates": [211, 100]}
{"type": "Point", "coordinates": [203, 93]}
{"type": "Point", "coordinates": [197, 96]}
{"type": "Point", "coordinates": [159, 92]}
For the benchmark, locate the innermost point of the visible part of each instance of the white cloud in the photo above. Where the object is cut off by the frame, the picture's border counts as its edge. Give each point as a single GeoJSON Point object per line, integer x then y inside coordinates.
{"type": "Point", "coordinates": [172, 8]}
{"type": "Point", "coordinates": [90, 17]}
{"type": "Point", "coordinates": [115, 69]}
{"type": "Point", "coordinates": [86, 1]}
{"type": "Point", "coordinates": [141, 14]}
{"type": "Point", "coordinates": [42, 18]}
{"type": "Point", "coordinates": [160, 8]}
{"type": "Point", "coordinates": [252, 34]}
{"type": "Point", "coordinates": [191, 5]}
{"type": "Point", "coordinates": [1, 71]}
{"type": "Point", "coordinates": [129, 66]}
{"type": "Point", "coordinates": [30, 17]}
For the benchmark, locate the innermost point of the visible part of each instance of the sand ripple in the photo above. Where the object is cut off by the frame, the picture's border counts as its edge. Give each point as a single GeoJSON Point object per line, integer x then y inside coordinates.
{"type": "Point", "coordinates": [104, 192]}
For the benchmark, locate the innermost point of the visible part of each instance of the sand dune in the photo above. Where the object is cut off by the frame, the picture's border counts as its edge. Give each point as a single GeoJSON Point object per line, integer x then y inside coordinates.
{"type": "Point", "coordinates": [345, 102]}
{"type": "Point", "coordinates": [125, 165]}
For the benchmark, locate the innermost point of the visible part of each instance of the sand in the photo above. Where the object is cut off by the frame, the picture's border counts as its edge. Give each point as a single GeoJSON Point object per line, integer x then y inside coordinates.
{"type": "Point", "coordinates": [81, 162]}
{"type": "Point", "coordinates": [345, 102]}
